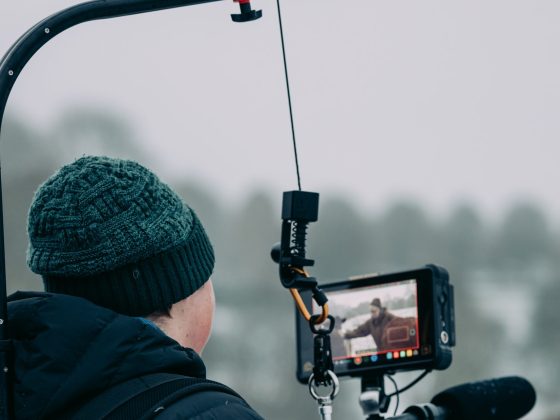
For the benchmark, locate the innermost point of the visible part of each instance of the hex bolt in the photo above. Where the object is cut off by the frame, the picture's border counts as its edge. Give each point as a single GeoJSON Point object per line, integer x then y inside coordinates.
{"type": "Point", "coordinates": [47, 30]}
{"type": "Point", "coordinates": [1, 321]}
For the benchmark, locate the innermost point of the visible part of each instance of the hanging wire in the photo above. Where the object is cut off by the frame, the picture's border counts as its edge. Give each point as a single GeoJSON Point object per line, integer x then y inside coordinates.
{"type": "Point", "coordinates": [289, 95]}
{"type": "Point", "coordinates": [396, 392]}
{"type": "Point", "coordinates": [400, 391]}
{"type": "Point", "coordinates": [410, 385]}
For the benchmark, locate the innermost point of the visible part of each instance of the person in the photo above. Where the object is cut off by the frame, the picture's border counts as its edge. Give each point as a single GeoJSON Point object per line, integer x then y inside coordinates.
{"type": "Point", "coordinates": [126, 266]}
{"type": "Point", "coordinates": [376, 325]}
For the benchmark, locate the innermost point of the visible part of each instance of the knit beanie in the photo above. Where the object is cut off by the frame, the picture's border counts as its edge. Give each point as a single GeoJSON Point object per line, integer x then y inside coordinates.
{"type": "Point", "coordinates": [110, 231]}
{"type": "Point", "coordinates": [376, 302]}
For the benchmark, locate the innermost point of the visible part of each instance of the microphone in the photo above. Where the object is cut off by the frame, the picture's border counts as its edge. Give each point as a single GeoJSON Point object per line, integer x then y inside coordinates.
{"type": "Point", "coordinates": [505, 398]}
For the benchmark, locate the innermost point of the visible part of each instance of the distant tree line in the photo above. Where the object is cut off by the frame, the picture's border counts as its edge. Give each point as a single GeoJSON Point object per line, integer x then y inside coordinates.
{"type": "Point", "coordinates": [506, 273]}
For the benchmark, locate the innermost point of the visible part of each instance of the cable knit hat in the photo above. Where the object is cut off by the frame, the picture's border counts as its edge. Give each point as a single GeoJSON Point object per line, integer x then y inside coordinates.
{"type": "Point", "coordinates": [376, 302]}
{"type": "Point", "coordinates": [110, 231]}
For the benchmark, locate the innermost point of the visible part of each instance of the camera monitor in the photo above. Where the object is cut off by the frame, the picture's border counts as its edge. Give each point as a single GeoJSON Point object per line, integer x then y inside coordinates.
{"type": "Point", "coordinates": [399, 321]}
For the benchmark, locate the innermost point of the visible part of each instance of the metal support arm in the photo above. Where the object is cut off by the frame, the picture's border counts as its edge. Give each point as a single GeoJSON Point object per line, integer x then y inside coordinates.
{"type": "Point", "coordinates": [29, 43]}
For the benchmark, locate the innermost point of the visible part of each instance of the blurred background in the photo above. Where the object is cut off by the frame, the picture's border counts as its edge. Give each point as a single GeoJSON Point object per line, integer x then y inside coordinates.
{"type": "Point", "coordinates": [430, 129]}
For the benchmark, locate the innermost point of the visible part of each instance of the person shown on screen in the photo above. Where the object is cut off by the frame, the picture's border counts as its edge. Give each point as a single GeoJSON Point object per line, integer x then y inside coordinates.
{"type": "Point", "coordinates": [375, 326]}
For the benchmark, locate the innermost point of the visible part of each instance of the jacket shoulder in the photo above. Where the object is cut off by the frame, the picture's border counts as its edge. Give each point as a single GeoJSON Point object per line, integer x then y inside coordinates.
{"type": "Point", "coordinates": [206, 405]}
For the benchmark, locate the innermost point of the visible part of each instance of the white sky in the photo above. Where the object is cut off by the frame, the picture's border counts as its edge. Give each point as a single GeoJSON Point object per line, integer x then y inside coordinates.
{"type": "Point", "coordinates": [433, 100]}
{"type": "Point", "coordinates": [353, 299]}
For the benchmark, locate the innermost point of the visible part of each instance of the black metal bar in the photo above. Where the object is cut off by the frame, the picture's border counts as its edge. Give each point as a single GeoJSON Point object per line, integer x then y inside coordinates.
{"type": "Point", "coordinates": [20, 53]}
{"type": "Point", "coordinates": [5, 344]}
{"type": "Point", "coordinates": [11, 66]}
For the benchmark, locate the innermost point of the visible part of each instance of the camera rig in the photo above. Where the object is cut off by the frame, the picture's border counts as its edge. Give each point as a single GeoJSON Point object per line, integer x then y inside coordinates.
{"type": "Point", "coordinates": [434, 331]}
{"type": "Point", "coordinates": [299, 209]}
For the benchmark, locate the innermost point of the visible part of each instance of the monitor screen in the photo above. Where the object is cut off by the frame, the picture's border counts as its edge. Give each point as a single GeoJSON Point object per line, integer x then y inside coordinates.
{"type": "Point", "coordinates": [374, 322]}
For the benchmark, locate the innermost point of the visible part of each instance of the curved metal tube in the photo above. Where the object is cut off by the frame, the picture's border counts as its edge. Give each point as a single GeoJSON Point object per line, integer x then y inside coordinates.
{"type": "Point", "coordinates": [28, 44]}
{"type": "Point", "coordinates": [11, 66]}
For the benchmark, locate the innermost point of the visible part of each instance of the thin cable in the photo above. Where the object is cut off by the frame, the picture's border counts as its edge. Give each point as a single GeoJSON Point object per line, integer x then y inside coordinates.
{"type": "Point", "coordinates": [289, 95]}
{"type": "Point", "coordinates": [396, 392]}
{"type": "Point", "coordinates": [410, 385]}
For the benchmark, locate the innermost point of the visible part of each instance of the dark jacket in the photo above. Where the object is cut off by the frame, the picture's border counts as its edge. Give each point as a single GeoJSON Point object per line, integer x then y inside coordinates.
{"type": "Point", "coordinates": [374, 327]}
{"type": "Point", "coordinates": [68, 350]}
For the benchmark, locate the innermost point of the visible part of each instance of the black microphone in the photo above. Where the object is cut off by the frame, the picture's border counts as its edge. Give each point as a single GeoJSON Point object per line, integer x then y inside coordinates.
{"type": "Point", "coordinates": [505, 398]}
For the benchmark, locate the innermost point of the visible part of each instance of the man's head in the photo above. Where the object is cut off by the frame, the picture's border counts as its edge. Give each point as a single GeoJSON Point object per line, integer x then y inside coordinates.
{"type": "Point", "coordinates": [110, 231]}
{"type": "Point", "coordinates": [375, 308]}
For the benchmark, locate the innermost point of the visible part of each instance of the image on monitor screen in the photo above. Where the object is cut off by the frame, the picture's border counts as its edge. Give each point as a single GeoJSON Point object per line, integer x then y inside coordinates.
{"type": "Point", "coordinates": [374, 320]}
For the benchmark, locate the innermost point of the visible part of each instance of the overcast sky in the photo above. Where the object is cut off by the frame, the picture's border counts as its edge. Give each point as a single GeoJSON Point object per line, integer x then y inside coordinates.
{"type": "Point", "coordinates": [441, 101]}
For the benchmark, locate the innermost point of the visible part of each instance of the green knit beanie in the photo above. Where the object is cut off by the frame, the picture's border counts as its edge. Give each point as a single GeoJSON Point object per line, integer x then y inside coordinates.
{"type": "Point", "coordinates": [110, 231]}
